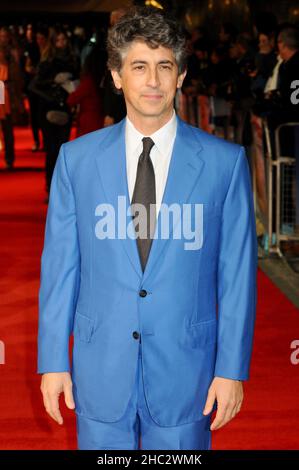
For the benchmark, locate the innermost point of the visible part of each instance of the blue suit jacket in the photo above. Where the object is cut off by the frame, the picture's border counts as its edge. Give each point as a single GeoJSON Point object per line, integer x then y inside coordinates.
{"type": "Point", "coordinates": [197, 319]}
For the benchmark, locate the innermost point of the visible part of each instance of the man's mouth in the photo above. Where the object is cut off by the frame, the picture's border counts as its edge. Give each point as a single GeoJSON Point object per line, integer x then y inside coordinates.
{"type": "Point", "coordinates": [152, 96]}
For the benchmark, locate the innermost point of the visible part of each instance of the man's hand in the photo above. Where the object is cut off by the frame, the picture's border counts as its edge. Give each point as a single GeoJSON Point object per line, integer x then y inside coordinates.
{"type": "Point", "coordinates": [52, 385]}
{"type": "Point", "coordinates": [229, 395]}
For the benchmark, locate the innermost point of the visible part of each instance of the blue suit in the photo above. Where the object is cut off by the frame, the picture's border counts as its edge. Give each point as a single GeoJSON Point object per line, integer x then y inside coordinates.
{"type": "Point", "coordinates": [194, 309]}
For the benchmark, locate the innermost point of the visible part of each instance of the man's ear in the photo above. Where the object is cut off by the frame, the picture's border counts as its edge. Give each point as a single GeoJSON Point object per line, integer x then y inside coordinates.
{"type": "Point", "coordinates": [181, 78]}
{"type": "Point", "coordinates": [116, 79]}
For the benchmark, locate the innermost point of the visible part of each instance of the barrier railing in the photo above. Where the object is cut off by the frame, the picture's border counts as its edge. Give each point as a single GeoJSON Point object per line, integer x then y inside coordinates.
{"type": "Point", "coordinates": [282, 190]}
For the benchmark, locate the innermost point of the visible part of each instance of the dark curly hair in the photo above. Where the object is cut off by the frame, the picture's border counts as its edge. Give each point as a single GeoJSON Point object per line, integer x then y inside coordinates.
{"type": "Point", "coordinates": [152, 27]}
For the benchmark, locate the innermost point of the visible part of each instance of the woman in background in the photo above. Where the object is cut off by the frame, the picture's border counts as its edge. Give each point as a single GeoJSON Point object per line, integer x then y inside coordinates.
{"type": "Point", "coordinates": [88, 94]}
{"type": "Point", "coordinates": [58, 58]}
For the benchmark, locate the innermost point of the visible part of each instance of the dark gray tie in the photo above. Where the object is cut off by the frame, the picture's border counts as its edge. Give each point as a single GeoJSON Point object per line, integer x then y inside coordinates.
{"type": "Point", "coordinates": [145, 194]}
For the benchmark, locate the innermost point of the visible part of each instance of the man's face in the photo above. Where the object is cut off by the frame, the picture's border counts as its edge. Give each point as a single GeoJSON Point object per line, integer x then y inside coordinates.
{"type": "Point", "coordinates": [265, 45]}
{"type": "Point", "coordinates": [149, 80]}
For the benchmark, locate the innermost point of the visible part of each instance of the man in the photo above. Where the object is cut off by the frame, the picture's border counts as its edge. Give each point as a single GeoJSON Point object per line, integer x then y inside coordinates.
{"type": "Point", "coordinates": [288, 47]}
{"type": "Point", "coordinates": [285, 109]}
{"type": "Point", "coordinates": [161, 330]}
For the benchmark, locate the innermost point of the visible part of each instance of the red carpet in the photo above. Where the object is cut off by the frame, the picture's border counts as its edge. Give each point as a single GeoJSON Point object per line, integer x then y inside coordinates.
{"type": "Point", "coordinates": [269, 417]}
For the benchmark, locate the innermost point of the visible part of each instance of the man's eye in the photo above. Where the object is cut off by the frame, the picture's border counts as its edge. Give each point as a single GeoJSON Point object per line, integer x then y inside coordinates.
{"type": "Point", "coordinates": [165, 67]}
{"type": "Point", "coordinates": [139, 67]}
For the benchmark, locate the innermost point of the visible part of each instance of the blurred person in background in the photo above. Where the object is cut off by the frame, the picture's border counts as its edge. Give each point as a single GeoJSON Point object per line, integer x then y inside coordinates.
{"type": "Point", "coordinates": [31, 58]}
{"type": "Point", "coordinates": [88, 95]}
{"type": "Point", "coordinates": [288, 79]}
{"type": "Point", "coordinates": [227, 35]}
{"type": "Point", "coordinates": [79, 39]}
{"type": "Point", "coordinates": [58, 63]}
{"type": "Point", "coordinates": [265, 61]}
{"type": "Point", "coordinates": [243, 64]}
{"type": "Point", "coordinates": [217, 79]}
{"type": "Point", "coordinates": [15, 82]}
{"type": "Point", "coordinates": [113, 103]}
{"type": "Point", "coordinates": [288, 47]}
{"type": "Point", "coordinates": [5, 113]}
{"type": "Point", "coordinates": [194, 87]}
{"type": "Point", "coordinates": [279, 107]}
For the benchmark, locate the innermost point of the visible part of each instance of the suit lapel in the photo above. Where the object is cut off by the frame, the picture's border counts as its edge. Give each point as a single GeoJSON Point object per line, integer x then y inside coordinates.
{"type": "Point", "coordinates": [184, 170]}
{"type": "Point", "coordinates": [111, 164]}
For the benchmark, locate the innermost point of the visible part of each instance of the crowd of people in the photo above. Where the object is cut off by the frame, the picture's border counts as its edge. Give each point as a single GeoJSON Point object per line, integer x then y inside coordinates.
{"type": "Point", "coordinates": [235, 83]}
{"type": "Point", "coordinates": [45, 66]}
{"type": "Point", "coordinates": [241, 83]}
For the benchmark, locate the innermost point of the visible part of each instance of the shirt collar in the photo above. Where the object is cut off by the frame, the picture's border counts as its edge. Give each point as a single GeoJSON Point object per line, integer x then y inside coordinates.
{"type": "Point", "coordinates": [163, 137]}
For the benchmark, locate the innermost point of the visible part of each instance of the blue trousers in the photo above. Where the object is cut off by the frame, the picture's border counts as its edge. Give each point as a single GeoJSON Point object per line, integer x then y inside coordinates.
{"type": "Point", "coordinates": [137, 430]}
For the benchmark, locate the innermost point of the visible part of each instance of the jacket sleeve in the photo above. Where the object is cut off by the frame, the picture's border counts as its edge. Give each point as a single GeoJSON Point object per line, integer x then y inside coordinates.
{"type": "Point", "coordinates": [60, 274]}
{"type": "Point", "coordinates": [236, 283]}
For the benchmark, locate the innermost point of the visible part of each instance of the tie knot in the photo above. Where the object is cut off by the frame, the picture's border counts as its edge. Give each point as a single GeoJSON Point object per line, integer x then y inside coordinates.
{"type": "Point", "coordinates": [148, 143]}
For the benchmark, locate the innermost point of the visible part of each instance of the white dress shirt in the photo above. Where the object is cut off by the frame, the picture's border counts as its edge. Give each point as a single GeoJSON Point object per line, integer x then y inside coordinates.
{"type": "Point", "coordinates": [160, 155]}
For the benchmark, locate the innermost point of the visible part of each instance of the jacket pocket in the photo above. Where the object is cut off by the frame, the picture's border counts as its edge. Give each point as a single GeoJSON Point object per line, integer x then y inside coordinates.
{"type": "Point", "coordinates": [83, 327]}
{"type": "Point", "coordinates": [203, 333]}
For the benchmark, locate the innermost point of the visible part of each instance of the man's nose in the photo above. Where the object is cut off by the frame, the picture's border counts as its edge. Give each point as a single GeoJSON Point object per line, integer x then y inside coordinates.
{"type": "Point", "coordinates": [153, 78]}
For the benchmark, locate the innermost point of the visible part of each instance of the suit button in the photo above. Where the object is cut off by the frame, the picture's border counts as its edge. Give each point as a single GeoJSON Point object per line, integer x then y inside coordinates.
{"type": "Point", "coordinates": [136, 335]}
{"type": "Point", "coordinates": [143, 293]}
